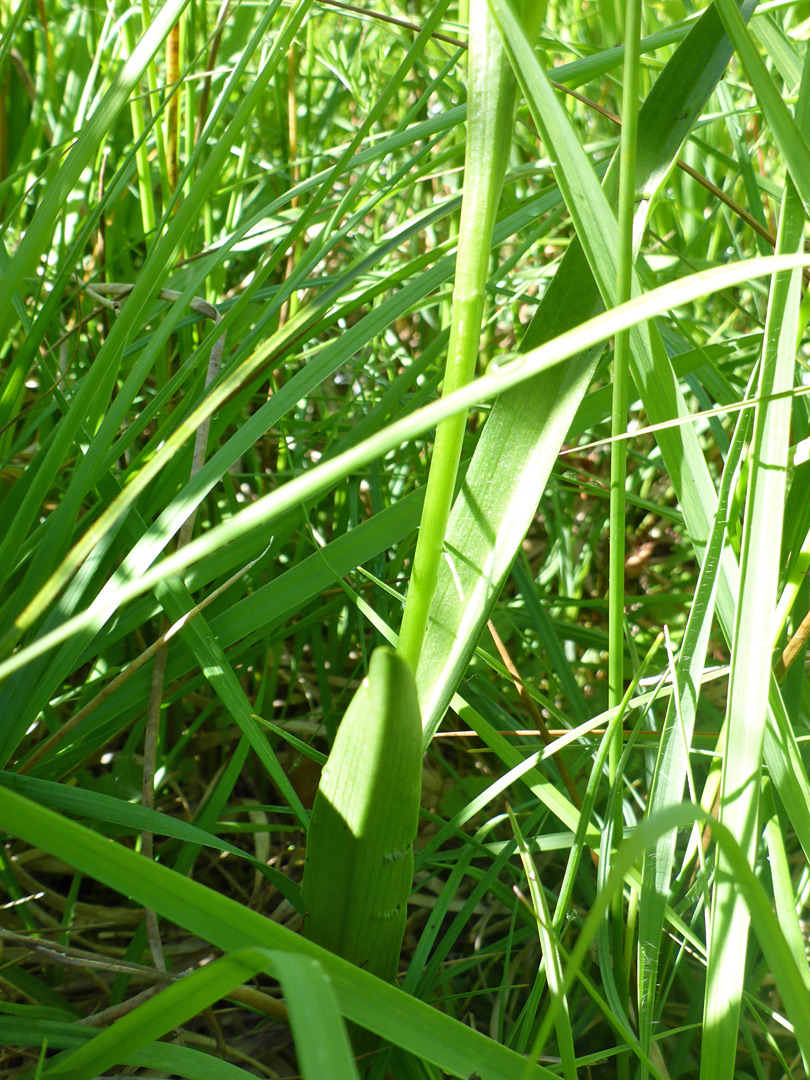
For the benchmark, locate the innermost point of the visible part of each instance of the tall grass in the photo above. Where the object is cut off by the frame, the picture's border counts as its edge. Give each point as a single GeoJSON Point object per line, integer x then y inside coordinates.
{"type": "Point", "coordinates": [264, 269]}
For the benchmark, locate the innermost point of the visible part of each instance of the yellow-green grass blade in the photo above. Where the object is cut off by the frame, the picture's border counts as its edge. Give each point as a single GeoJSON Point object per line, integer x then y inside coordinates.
{"type": "Point", "coordinates": [786, 767]}
{"type": "Point", "coordinates": [669, 775]}
{"type": "Point", "coordinates": [789, 978]}
{"type": "Point", "coordinates": [490, 120]}
{"type": "Point", "coordinates": [362, 998]}
{"type": "Point", "coordinates": [359, 864]}
{"type": "Point", "coordinates": [551, 955]}
{"type": "Point", "coordinates": [784, 891]}
{"type": "Point", "coordinates": [785, 53]}
{"type": "Point", "coordinates": [753, 640]}
{"type": "Point", "coordinates": [525, 429]}
{"type": "Point", "coordinates": [489, 386]}
{"type": "Point", "coordinates": [313, 1007]}
{"type": "Point", "coordinates": [790, 136]}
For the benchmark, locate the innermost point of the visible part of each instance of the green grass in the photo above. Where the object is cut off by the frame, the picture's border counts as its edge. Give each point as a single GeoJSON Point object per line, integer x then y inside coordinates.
{"type": "Point", "coordinates": [251, 299]}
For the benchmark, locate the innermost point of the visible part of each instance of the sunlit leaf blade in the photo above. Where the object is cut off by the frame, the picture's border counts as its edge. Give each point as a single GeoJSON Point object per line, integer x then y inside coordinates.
{"type": "Point", "coordinates": [752, 642]}
{"type": "Point", "coordinates": [228, 925]}
{"type": "Point", "coordinates": [526, 428]}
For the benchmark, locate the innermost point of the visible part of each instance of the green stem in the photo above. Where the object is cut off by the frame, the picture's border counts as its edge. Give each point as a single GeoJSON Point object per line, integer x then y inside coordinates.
{"type": "Point", "coordinates": [490, 109]}
{"type": "Point", "coordinates": [618, 460]}
{"type": "Point", "coordinates": [147, 201]}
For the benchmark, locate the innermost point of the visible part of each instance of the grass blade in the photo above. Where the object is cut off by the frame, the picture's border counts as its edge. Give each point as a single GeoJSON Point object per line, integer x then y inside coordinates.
{"type": "Point", "coordinates": [751, 647]}
{"type": "Point", "coordinates": [526, 428]}
{"type": "Point", "coordinates": [366, 1000]}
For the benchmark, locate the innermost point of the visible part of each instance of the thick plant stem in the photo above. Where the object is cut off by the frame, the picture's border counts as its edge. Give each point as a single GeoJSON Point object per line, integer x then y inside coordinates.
{"type": "Point", "coordinates": [490, 109]}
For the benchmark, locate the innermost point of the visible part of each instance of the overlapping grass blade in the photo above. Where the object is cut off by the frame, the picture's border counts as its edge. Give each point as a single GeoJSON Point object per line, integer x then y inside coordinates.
{"type": "Point", "coordinates": [489, 386]}
{"type": "Point", "coordinates": [490, 119]}
{"type": "Point", "coordinates": [525, 430]}
{"type": "Point", "coordinates": [36, 592]}
{"type": "Point", "coordinates": [164, 1012]}
{"type": "Point", "coordinates": [39, 232]}
{"type": "Point", "coordinates": [670, 772]}
{"type": "Point", "coordinates": [752, 642]}
{"type": "Point", "coordinates": [789, 134]}
{"type": "Point", "coordinates": [230, 926]}
{"type": "Point", "coordinates": [789, 977]}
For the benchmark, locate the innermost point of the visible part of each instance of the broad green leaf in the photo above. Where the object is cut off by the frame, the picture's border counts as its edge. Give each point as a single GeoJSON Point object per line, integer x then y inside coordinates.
{"type": "Point", "coordinates": [359, 866]}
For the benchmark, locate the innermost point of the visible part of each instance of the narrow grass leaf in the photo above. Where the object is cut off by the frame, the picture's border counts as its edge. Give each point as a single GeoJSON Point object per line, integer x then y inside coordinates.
{"type": "Point", "coordinates": [321, 1042]}
{"type": "Point", "coordinates": [325, 475]}
{"type": "Point", "coordinates": [40, 230]}
{"type": "Point", "coordinates": [551, 955]}
{"type": "Point", "coordinates": [490, 120]}
{"type": "Point", "coordinates": [789, 979]}
{"type": "Point", "coordinates": [790, 136]}
{"type": "Point", "coordinates": [368, 1001]}
{"type": "Point", "coordinates": [169, 1009]}
{"type": "Point", "coordinates": [752, 642]}
{"type": "Point", "coordinates": [526, 428]}
{"type": "Point", "coordinates": [669, 776]}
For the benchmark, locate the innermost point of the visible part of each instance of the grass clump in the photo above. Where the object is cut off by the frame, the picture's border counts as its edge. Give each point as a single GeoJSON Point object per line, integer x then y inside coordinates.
{"type": "Point", "coordinates": [266, 269]}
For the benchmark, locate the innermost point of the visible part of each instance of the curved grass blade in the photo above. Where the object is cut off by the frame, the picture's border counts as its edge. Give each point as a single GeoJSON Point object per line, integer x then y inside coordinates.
{"type": "Point", "coordinates": [526, 427]}
{"type": "Point", "coordinates": [325, 475]}
{"type": "Point", "coordinates": [362, 998]}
